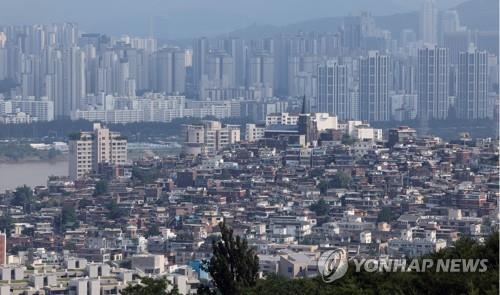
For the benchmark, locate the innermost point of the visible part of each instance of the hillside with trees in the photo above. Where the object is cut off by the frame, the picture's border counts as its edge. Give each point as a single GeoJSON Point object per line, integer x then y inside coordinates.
{"type": "Point", "coordinates": [429, 282]}
{"type": "Point", "coordinates": [234, 266]}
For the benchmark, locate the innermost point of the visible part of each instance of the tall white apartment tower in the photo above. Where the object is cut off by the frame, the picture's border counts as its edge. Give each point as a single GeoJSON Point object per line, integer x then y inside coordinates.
{"type": "Point", "coordinates": [261, 71]}
{"type": "Point", "coordinates": [428, 22]}
{"type": "Point", "coordinates": [200, 52]}
{"type": "Point", "coordinates": [221, 70]}
{"type": "Point", "coordinates": [374, 87]}
{"type": "Point", "coordinates": [450, 22]}
{"type": "Point", "coordinates": [432, 83]}
{"type": "Point", "coordinates": [87, 150]}
{"type": "Point", "coordinates": [73, 81]}
{"type": "Point", "coordinates": [472, 95]}
{"type": "Point", "coordinates": [333, 94]}
{"type": "Point", "coordinates": [170, 71]}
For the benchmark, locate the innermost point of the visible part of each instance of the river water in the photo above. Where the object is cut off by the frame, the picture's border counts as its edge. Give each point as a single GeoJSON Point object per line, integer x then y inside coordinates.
{"type": "Point", "coordinates": [32, 174]}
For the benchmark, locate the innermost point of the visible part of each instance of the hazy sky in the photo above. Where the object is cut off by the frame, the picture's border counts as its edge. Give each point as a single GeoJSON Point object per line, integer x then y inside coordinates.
{"type": "Point", "coordinates": [190, 18]}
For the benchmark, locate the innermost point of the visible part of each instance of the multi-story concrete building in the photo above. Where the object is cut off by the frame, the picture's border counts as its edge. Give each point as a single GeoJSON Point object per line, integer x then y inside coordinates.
{"type": "Point", "coordinates": [472, 95]}
{"type": "Point", "coordinates": [200, 52]}
{"type": "Point", "coordinates": [148, 263]}
{"type": "Point", "coordinates": [39, 110]}
{"type": "Point", "coordinates": [324, 121]}
{"type": "Point", "coordinates": [209, 137]}
{"type": "Point", "coordinates": [221, 70]}
{"type": "Point", "coordinates": [254, 132]}
{"type": "Point", "coordinates": [17, 118]}
{"type": "Point", "coordinates": [374, 87]}
{"type": "Point", "coordinates": [154, 108]}
{"type": "Point", "coordinates": [261, 71]}
{"type": "Point", "coordinates": [87, 150]}
{"type": "Point", "coordinates": [282, 119]}
{"type": "Point", "coordinates": [365, 132]}
{"type": "Point", "coordinates": [333, 92]}
{"type": "Point", "coordinates": [432, 83]}
{"type": "Point", "coordinates": [169, 71]}
{"type": "Point", "coordinates": [428, 22]}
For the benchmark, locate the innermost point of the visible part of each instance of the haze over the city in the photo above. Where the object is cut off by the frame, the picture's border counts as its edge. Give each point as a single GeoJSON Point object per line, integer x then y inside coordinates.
{"type": "Point", "coordinates": [239, 147]}
{"type": "Point", "coordinates": [180, 19]}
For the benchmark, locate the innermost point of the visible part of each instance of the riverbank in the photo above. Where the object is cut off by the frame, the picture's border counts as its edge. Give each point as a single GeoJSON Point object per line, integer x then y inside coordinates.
{"type": "Point", "coordinates": [27, 160]}
{"type": "Point", "coordinates": [22, 152]}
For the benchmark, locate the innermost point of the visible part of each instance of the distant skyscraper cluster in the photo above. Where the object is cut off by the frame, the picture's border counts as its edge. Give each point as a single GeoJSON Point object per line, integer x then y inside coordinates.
{"type": "Point", "coordinates": [357, 71]}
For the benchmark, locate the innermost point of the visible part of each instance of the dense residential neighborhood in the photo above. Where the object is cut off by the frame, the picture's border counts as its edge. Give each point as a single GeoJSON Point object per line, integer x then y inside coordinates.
{"type": "Point", "coordinates": [294, 191]}
{"type": "Point", "coordinates": [248, 147]}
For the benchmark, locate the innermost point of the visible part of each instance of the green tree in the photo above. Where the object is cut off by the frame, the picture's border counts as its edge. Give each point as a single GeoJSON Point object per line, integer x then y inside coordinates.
{"type": "Point", "coordinates": [321, 207]}
{"type": "Point", "coordinates": [23, 196]}
{"type": "Point", "coordinates": [68, 215]}
{"type": "Point", "coordinates": [84, 203]}
{"type": "Point", "coordinates": [150, 286]}
{"type": "Point", "coordinates": [6, 224]}
{"type": "Point", "coordinates": [114, 211]}
{"type": "Point", "coordinates": [428, 282]}
{"type": "Point", "coordinates": [29, 231]}
{"type": "Point", "coordinates": [153, 230]}
{"type": "Point", "coordinates": [340, 180]}
{"type": "Point", "coordinates": [347, 139]}
{"type": "Point", "coordinates": [145, 174]}
{"type": "Point", "coordinates": [101, 188]}
{"type": "Point", "coordinates": [316, 172]}
{"type": "Point", "coordinates": [385, 215]}
{"type": "Point", "coordinates": [234, 265]}
{"type": "Point", "coordinates": [323, 187]}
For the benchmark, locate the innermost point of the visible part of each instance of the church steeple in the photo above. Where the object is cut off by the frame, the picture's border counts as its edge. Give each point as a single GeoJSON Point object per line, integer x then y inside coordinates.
{"type": "Point", "coordinates": [304, 123]}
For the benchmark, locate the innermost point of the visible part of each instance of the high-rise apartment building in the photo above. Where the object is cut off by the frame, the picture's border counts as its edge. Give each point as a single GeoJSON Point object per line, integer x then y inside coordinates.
{"type": "Point", "coordinates": [450, 21]}
{"type": "Point", "coordinates": [456, 42]}
{"type": "Point", "coordinates": [432, 83]}
{"type": "Point", "coordinates": [70, 67]}
{"type": "Point", "coordinates": [472, 95]}
{"type": "Point", "coordinates": [332, 91]}
{"type": "Point", "coordinates": [236, 48]}
{"type": "Point", "coordinates": [87, 150]}
{"type": "Point", "coordinates": [221, 70]}
{"type": "Point", "coordinates": [73, 81]}
{"type": "Point", "coordinates": [200, 52]}
{"type": "Point", "coordinates": [169, 71]}
{"type": "Point", "coordinates": [374, 87]}
{"type": "Point", "coordinates": [428, 22]}
{"type": "Point", "coordinates": [302, 73]}
{"type": "Point", "coordinates": [261, 71]}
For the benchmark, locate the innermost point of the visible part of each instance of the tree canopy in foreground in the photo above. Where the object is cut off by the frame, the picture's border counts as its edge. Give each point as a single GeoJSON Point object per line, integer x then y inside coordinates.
{"type": "Point", "coordinates": [429, 282]}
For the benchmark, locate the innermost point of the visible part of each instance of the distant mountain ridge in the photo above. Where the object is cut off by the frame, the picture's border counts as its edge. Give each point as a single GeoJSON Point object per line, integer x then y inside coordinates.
{"type": "Point", "coordinates": [475, 14]}
{"type": "Point", "coordinates": [484, 16]}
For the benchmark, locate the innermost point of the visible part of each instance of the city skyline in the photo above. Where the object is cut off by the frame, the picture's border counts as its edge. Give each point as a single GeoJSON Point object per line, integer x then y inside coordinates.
{"type": "Point", "coordinates": [240, 147]}
{"type": "Point", "coordinates": [57, 71]}
{"type": "Point", "coordinates": [189, 19]}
